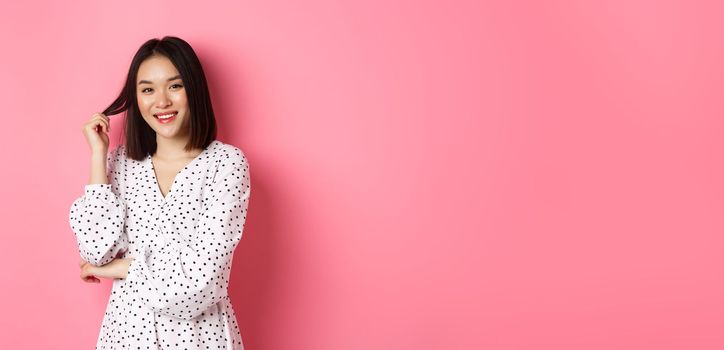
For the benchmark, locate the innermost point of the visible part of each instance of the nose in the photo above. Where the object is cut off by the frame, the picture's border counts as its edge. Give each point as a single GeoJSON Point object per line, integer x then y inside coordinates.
{"type": "Point", "coordinates": [163, 101]}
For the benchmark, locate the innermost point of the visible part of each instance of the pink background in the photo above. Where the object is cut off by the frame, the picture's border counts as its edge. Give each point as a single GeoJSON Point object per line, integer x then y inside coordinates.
{"type": "Point", "coordinates": [426, 175]}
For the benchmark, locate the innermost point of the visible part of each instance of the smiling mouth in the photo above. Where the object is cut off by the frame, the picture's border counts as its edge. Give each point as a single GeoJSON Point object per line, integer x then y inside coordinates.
{"type": "Point", "coordinates": [166, 118]}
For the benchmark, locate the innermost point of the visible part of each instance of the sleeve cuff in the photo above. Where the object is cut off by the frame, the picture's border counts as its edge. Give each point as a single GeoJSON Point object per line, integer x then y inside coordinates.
{"type": "Point", "coordinates": [95, 189]}
{"type": "Point", "coordinates": [99, 191]}
{"type": "Point", "coordinates": [132, 273]}
{"type": "Point", "coordinates": [135, 268]}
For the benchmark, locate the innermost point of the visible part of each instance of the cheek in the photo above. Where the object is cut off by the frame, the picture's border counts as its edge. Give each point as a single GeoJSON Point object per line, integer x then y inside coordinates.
{"type": "Point", "coordinates": [142, 102]}
{"type": "Point", "coordinates": [143, 108]}
{"type": "Point", "coordinates": [180, 99]}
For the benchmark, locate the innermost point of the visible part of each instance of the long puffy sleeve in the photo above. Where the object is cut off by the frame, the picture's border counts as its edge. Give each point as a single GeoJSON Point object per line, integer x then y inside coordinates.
{"type": "Point", "coordinates": [97, 217]}
{"type": "Point", "coordinates": [195, 272]}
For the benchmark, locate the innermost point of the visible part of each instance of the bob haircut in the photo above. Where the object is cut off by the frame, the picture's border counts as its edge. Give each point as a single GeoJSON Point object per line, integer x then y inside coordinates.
{"type": "Point", "coordinates": [139, 136]}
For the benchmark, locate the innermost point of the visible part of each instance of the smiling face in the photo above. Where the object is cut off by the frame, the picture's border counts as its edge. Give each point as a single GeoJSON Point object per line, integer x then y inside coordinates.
{"type": "Point", "coordinates": [160, 92]}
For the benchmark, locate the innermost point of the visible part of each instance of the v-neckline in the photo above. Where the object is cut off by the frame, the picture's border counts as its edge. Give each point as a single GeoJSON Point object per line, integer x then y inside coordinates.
{"type": "Point", "coordinates": [155, 178]}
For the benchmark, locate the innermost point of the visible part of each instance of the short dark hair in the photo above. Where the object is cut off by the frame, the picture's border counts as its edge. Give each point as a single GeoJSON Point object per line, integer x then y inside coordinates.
{"type": "Point", "coordinates": [139, 136]}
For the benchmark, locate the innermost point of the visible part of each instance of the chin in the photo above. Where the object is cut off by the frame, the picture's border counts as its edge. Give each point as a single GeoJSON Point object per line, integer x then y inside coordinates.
{"type": "Point", "coordinates": [168, 134]}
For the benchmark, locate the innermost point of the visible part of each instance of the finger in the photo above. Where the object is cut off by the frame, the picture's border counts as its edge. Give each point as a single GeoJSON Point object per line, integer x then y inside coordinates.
{"type": "Point", "coordinates": [103, 124]}
{"type": "Point", "coordinates": [106, 123]}
{"type": "Point", "coordinates": [86, 270]}
{"type": "Point", "coordinates": [96, 124]}
{"type": "Point", "coordinates": [91, 279]}
{"type": "Point", "coordinates": [104, 117]}
{"type": "Point", "coordinates": [91, 270]}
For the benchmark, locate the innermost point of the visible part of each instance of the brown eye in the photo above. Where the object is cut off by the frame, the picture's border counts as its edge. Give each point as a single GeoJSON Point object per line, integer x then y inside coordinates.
{"type": "Point", "coordinates": [144, 90]}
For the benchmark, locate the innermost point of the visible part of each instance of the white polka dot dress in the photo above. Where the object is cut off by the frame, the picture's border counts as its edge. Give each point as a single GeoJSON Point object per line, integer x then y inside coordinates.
{"type": "Point", "coordinates": [175, 294]}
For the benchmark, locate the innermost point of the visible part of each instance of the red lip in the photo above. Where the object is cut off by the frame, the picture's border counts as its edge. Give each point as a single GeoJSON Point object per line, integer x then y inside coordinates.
{"type": "Point", "coordinates": [164, 113]}
{"type": "Point", "coordinates": [167, 120]}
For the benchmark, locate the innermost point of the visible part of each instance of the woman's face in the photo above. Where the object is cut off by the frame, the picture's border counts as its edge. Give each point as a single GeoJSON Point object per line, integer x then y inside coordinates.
{"type": "Point", "coordinates": [159, 91]}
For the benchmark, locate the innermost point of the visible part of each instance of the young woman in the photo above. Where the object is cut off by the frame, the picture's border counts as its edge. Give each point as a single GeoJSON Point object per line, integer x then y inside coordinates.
{"type": "Point", "coordinates": [163, 213]}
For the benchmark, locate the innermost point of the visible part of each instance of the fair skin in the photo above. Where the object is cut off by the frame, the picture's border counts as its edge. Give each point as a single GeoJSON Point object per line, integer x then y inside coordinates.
{"type": "Point", "coordinates": [159, 89]}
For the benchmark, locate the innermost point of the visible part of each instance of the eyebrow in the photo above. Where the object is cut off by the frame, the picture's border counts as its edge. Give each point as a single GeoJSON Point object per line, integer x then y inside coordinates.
{"type": "Point", "coordinates": [169, 79]}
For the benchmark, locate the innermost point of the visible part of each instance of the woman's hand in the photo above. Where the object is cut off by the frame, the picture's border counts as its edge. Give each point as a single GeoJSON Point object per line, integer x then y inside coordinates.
{"type": "Point", "coordinates": [86, 277]}
{"type": "Point", "coordinates": [96, 131]}
{"type": "Point", "coordinates": [118, 268]}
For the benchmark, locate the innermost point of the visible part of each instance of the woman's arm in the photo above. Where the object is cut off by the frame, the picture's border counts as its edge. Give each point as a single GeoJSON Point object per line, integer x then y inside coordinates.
{"type": "Point", "coordinates": [118, 268]}
{"type": "Point", "coordinates": [98, 168]}
{"type": "Point", "coordinates": [97, 218]}
{"type": "Point", "coordinates": [95, 131]}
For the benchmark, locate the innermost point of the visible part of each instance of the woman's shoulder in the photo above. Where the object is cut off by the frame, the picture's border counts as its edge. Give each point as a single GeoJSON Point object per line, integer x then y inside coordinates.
{"type": "Point", "coordinates": [117, 160]}
{"type": "Point", "coordinates": [118, 153]}
{"type": "Point", "coordinates": [226, 152]}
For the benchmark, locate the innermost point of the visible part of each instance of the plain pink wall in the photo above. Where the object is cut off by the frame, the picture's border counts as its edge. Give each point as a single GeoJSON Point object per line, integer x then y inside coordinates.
{"type": "Point", "coordinates": [426, 175]}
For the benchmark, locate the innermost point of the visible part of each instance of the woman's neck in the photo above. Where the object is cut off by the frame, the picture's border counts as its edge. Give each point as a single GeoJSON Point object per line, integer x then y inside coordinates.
{"type": "Point", "coordinates": [173, 149]}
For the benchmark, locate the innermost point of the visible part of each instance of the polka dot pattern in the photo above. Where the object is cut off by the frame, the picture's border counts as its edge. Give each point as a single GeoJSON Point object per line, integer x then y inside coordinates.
{"type": "Point", "coordinates": [175, 295]}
